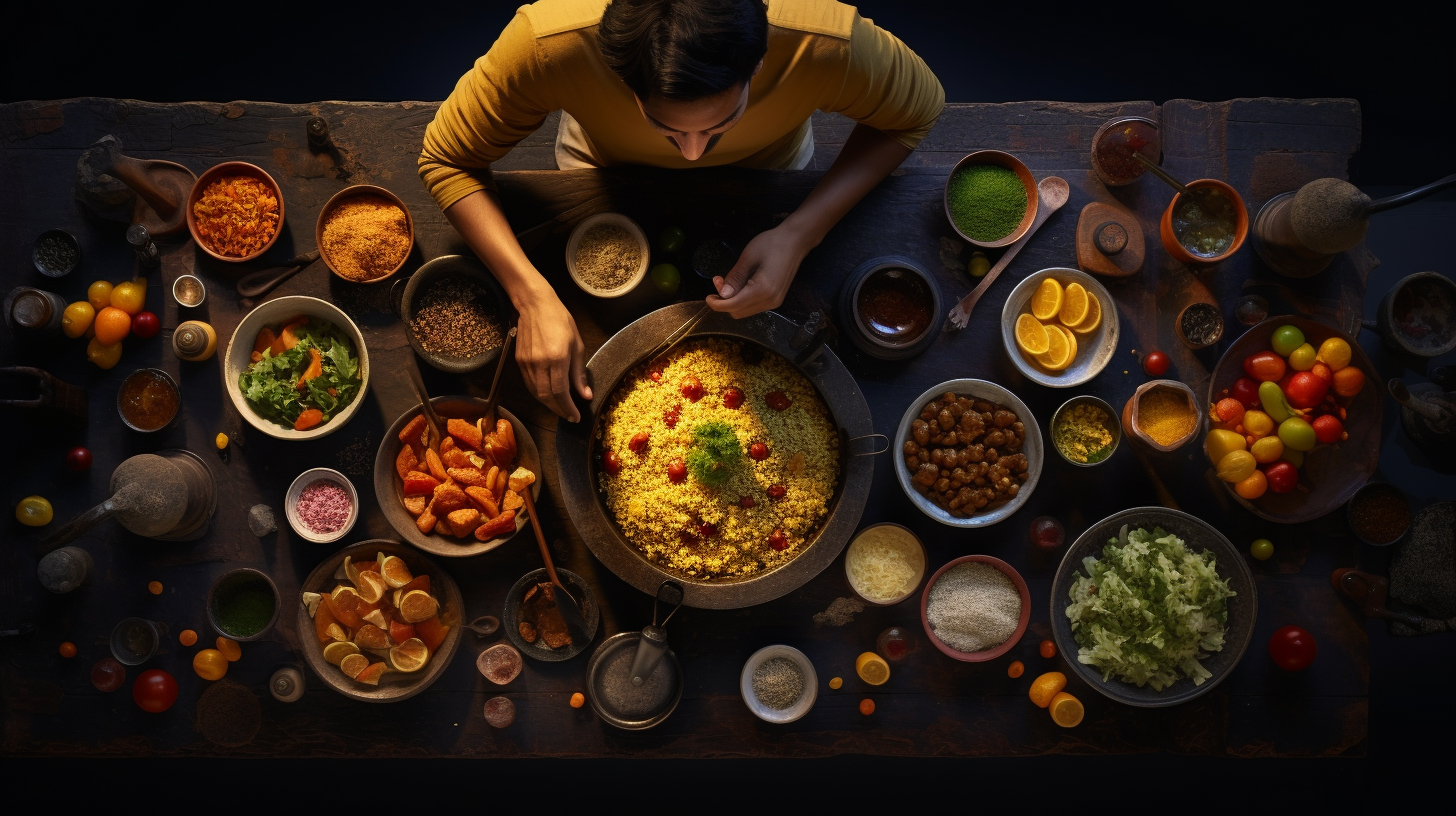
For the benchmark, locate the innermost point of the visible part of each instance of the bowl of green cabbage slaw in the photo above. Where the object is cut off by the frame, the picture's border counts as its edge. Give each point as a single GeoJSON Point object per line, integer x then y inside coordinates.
{"type": "Point", "coordinates": [1173, 610]}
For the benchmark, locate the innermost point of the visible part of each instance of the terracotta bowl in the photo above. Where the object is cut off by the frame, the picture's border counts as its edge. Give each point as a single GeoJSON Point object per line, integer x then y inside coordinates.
{"type": "Point", "coordinates": [342, 197]}
{"type": "Point", "coordinates": [232, 168]}
{"type": "Point", "coordinates": [1010, 162]}
{"type": "Point", "coordinates": [987, 654]}
{"type": "Point", "coordinates": [1176, 250]}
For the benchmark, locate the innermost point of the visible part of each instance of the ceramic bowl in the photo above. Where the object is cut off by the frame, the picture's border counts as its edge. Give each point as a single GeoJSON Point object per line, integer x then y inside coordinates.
{"type": "Point", "coordinates": [1170, 238]}
{"type": "Point", "coordinates": [985, 654]}
{"type": "Point", "coordinates": [891, 344]}
{"type": "Point", "coordinates": [806, 698]}
{"type": "Point", "coordinates": [232, 168]}
{"type": "Point", "coordinates": [1199, 536]}
{"type": "Point", "coordinates": [999, 159]}
{"type": "Point", "coordinates": [1094, 350]}
{"type": "Point", "coordinates": [615, 220]}
{"type": "Point", "coordinates": [295, 490]}
{"type": "Point", "coordinates": [1113, 426]}
{"type": "Point", "coordinates": [511, 618]}
{"type": "Point", "coordinates": [1372, 489]}
{"type": "Point", "coordinates": [272, 313]}
{"type": "Point", "coordinates": [233, 578]}
{"type": "Point", "coordinates": [388, 487]}
{"type": "Point", "coordinates": [1032, 447]}
{"type": "Point", "coordinates": [405, 296]}
{"type": "Point", "coordinates": [919, 575]}
{"type": "Point", "coordinates": [342, 197]}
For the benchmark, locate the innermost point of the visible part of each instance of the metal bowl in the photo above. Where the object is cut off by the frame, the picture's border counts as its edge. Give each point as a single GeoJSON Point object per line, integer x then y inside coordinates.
{"type": "Point", "coordinates": [163, 376]}
{"type": "Point", "coordinates": [62, 237]}
{"type": "Point", "coordinates": [240, 576]}
{"type": "Point", "coordinates": [341, 197]}
{"type": "Point", "coordinates": [387, 485]}
{"type": "Point", "coordinates": [1113, 426]}
{"type": "Point", "coordinates": [599, 694]}
{"type": "Point", "coordinates": [997, 158]}
{"type": "Point", "coordinates": [405, 294]}
{"type": "Point", "coordinates": [232, 168]}
{"type": "Point", "coordinates": [511, 618]}
{"type": "Point", "coordinates": [991, 392]}
{"type": "Point", "coordinates": [875, 343]}
{"type": "Point", "coordinates": [1200, 536]}
{"type": "Point", "coordinates": [575, 451]}
{"type": "Point", "coordinates": [394, 686]}
{"type": "Point", "coordinates": [1094, 351]}
{"type": "Point", "coordinates": [1379, 487]}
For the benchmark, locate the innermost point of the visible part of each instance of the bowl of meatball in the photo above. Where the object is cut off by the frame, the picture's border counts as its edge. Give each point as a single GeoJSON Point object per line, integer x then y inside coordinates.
{"type": "Point", "coordinates": [970, 453]}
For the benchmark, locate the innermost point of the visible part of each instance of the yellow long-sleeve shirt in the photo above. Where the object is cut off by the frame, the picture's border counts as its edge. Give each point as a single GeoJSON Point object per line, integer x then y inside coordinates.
{"type": "Point", "coordinates": [821, 56]}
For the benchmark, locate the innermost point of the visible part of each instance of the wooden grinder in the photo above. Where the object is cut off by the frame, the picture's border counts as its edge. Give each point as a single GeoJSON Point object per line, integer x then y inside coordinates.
{"type": "Point", "coordinates": [1109, 241]}
{"type": "Point", "coordinates": [146, 192]}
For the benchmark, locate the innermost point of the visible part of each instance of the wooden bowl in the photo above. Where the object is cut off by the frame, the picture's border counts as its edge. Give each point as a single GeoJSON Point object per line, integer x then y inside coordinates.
{"type": "Point", "coordinates": [1331, 473]}
{"type": "Point", "coordinates": [394, 686]}
{"type": "Point", "coordinates": [986, 654]}
{"type": "Point", "coordinates": [1094, 351]}
{"type": "Point", "coordinates": [232, 168]}
{"type": "Point", "coordinates": [999, 159]}
{"type": "Point", "coordinates": [388, 489]}
{"type": "Point", "coordinates": [1170, 240]}
{"type": "Point", "coordinates": [343, 196]}
{"type": "Point", "coordinates": [1199, 536]}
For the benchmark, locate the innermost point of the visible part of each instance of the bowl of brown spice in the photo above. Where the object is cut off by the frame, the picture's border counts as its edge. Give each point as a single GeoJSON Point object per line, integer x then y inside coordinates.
{"type": "Point", "coordinates": [607, 255]}
{"type": "Point", "coordinates": [455, 313]}
{"type": "Point", "coordinates": [364, 233]}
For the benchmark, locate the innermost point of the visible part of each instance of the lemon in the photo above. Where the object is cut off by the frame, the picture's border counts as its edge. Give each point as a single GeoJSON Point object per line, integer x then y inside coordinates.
{"type": "Point", "coordinates": [417, 605]}
{"type": "Point", "coordinates": [376, 617]}
{"type": "Point", "coordinates": [1046, 301]}
{"type": "Point", "coordinates": [1074, 305]}
{"type": "Point", "coordinates": [338, 650]}
{"type": "Point", "coordinates": [1031, 335]}
{"type": "Point", "coordinates": [310, 602]}
{"type": "Point", "coordinates": [1066, 710]}
{"type": "Point", "coordinates": [1093, 319]}
{"type": "Point", "coordinates": [872, 669]}
{"type": "Point", "coordinates": [336, 632]}
{"type": "Point", "coordinates": [412, 655]}
{"type": "Point", "coordinates": [395, 572]}
{"type": "Point", "coordinates": [352, 664]}
{"type": "Point", "coordinates": [1045, 688]}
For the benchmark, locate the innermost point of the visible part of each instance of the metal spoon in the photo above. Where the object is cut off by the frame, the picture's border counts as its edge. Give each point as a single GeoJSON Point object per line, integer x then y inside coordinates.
{"type": "Point", "coordinates": [566, 603]}
{"type": "Point", "coordinates": [1053, 192]}
{"type": "Point", "coordinates": [500, 366]}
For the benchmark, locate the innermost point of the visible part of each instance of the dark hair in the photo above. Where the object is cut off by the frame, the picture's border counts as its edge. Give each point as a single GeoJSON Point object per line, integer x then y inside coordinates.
{"type": "Point", "coordinates": [683, 49]}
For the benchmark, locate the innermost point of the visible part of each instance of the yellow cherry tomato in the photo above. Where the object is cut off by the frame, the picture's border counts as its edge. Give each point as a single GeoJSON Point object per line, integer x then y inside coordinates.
{"type": "Point", "coordinates": [34, 511]}
{"type": "Point", "coordinates": [104, 355]}
{"type": "Point", "coordinates": [210, 664]}
{"type": "Point", "coordinates": [1335, 353]}
{"type": "Point", "coordinates": [1258, 424]}
{"type": "Point", "coordinates": [230, 649]}
{"type": "Point", "coordinates": [221, 441]}
{"type": "Point", "coordinates": [77, 317]}
{"type": "Point", "coordinates": [99, 295]}
{"type": "Point", "coordinates": [1254, 486]}
{"type": "Point", "coordinates": [1267, 449]}
{"type": "Point", "coordinates": [1303, 358]}
{"type": "Point", "coordinates": [130, 296]}
{"type": "Point", "coordinates": [1236, 466]}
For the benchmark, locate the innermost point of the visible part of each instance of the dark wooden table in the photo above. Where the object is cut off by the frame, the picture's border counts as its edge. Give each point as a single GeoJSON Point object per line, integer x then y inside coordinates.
{"type": "Point", "coordinates": [931, 706]}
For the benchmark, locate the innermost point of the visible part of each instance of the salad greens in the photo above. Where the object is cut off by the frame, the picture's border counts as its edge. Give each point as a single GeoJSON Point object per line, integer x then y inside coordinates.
{"type": "Point", "coordinates": [272, 385]}
{"type": "Point", "coordinates": [1149, 610]}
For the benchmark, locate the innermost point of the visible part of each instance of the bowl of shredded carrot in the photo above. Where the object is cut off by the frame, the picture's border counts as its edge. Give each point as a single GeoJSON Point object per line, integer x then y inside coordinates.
{"type": "Point", "coordinates": [235, 211]}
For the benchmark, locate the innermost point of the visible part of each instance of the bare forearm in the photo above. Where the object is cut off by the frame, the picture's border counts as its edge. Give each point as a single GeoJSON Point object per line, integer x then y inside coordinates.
{"type": "Point", "coordinates": [479, 219]}
{"type": "Point", "coordinates": [867, 157]}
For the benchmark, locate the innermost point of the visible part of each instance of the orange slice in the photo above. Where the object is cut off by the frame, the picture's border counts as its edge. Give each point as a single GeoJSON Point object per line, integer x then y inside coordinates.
{"type": "Point", "coordinates": [1031, 335]}
{"type": "Point", "coordinates": [1074, 305]}
{"type": "Point", "coordinates": [338, 650]}
{"type": "Point", "coordinates": [412, 655]}
{"type": "Point", "coordinates": [1046, 687]}
{"type": "Point", "coordinates": [394, 571]}
{"type": "Point", "coordinates": [371, 637]}
{"type": "Point", "coordinates": [1093, 319]}
{"type": "Point", "coordinates": [371, 587]}
{"type": "Point", "coordinates": [352, 664]}
{"type": "Point", "coordinates": [1059, 351]}
{"type": "Point", "coordinates": [1046, 301]}
{"type": "Point", "coordinates": [336, 632]}
{"type": "Point", "coordinates": [371, 675]}
{"type": "Point", "coordinates": [872, 668]}
{"type": "Point", "coordinates": [417, 605]}
{"type": "Point", "coordinates": [1066, 710]}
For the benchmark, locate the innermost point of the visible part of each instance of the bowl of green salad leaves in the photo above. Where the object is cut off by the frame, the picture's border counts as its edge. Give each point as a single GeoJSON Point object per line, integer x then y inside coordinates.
{"type": "Point", "coordinates": [297, 368]}
{"type": "Point", "coordinates": [1153, 607]}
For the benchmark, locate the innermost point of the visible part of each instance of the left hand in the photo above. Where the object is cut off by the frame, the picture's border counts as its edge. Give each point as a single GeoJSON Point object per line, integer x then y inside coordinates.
{"type": "Point", "coordinates": [761, 278]}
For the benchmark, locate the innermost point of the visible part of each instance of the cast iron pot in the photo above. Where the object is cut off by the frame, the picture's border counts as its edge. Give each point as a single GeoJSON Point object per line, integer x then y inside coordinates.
{"type": "Point", "coordinates": [576, 453]}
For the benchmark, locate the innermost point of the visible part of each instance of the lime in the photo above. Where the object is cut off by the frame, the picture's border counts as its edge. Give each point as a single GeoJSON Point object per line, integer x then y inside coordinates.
{"type": "Point", "coordinates": [979, 265]}
{"type": "Point", "coordinates": [666, 278]}
{"type": "Point", "coordinates": [671, 239]}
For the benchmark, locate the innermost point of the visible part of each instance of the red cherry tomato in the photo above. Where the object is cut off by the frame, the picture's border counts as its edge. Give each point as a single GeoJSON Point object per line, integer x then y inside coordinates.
{"type": "Point", "coordinates": [707, 530]}
{"type": "Point", "coordinates": [732, 398]}
{"type": "Point", "coordinates": [145, 324]}
{"type": "Point", "coordinates": [778, 540]}
{"type": "Point", "coordinates": [1282, 477]}
{"type": "Point", "coordinates": [758, 451]}
{"type": "Point", "coordinates": [671, 415]}
{"type": "Point", "coordinates": [777, 491]}
{"type": "Point", "coordinates": [1305, 390]}
{"type": "Point", "coordinates": [746, 502]}
{"type": "Point", "coordinates": [691, 389]}
{"type": "Point", "coordinates": [78, 459]}
{"type": "Point", "coordinates": [154, 691]}
{"type": "Point", "coordinates": [1247, 391]}
{"type": "Point", "coordinates": [1293, 648]}
{"type": "Point", "coordinates": [638, 443]}
{"type": "Point", "coordinates": [677, 470]}
{"type": "Point", "coordinates": [611, 464]}
{"type": "Point", "coordinates": [1328, 429]}
{"type": "Point", "coordinates": [1264, 366]}
{"type": "Point", "coordinates": [777, 400]}
{"type": "Point", "coordinates": [1155, 363]}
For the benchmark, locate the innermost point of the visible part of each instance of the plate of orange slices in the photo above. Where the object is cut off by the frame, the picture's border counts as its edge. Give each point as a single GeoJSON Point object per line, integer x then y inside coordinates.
{"type": "Point", "coordinates": [1060, 327]}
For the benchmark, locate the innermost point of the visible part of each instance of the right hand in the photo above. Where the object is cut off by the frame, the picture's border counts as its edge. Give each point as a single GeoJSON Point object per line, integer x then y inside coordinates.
{"type": "Point", "coordinates": [551, 355]}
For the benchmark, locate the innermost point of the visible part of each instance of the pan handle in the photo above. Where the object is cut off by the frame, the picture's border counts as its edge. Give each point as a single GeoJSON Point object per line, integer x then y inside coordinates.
{"type": "Point", "coordinates": [871, 436]}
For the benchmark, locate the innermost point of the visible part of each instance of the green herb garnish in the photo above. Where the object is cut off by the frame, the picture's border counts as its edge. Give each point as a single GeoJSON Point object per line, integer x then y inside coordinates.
{"type": "Point", "coordinates": [716, 450]}
{"type": "Point", "coordinates": [271, 385]}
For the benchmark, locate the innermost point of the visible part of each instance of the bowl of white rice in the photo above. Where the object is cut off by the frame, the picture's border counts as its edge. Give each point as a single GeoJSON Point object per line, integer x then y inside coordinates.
{"type": "Point", "coordinates": [884, 564]}
{"type": "Point", "coordinates": [975, 608]}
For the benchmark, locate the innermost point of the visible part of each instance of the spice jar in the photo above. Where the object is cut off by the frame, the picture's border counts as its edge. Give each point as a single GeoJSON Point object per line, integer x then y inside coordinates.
{"type": "Point", "coordinates": [34, 310]}
{"type": "Point", "coordinates": [1199, 325]}
{"type": "Point", "coordinates": [194, 340]}
{"type": "Point", "coordinates": [1162, 415]}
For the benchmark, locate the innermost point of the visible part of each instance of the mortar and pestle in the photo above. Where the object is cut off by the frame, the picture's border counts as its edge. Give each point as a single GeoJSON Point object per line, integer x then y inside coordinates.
{"type": "Point", "coordinates": [136, 191]}
{"type": "Point", "coordinates": [169, 496]}
{"type": "Point", "coordinates": [1427, 414]}
{"type": "Point", "coordinates": [1298, 233]}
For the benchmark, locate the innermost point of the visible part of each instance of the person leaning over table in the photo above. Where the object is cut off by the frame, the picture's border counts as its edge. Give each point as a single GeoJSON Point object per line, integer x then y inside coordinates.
{"type": "Point", "coordinates": [673, 83]}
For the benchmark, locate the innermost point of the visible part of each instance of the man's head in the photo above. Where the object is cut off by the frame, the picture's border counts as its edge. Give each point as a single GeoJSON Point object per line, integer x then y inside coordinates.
{"type": "Point", "coordinates": [688, 62]}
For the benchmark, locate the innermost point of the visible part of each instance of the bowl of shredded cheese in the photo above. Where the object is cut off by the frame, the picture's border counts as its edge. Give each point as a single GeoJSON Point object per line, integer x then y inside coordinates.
{"type": "Point", "coordinates": [884, 564]}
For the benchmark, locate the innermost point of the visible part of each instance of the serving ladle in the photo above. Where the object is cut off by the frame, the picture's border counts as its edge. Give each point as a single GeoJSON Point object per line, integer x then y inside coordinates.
{"type": "Point", "coordinates": [1052, 192]}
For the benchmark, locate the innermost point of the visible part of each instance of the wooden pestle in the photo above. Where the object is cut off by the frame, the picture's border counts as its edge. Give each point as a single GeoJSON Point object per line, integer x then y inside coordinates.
{"type": "Point", "coordinates": [162, 187]}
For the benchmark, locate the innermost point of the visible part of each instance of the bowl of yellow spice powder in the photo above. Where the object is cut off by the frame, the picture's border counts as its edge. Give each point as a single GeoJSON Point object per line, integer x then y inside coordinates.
{"type": "Point", "coordinates": [1162, 415]}
{"type": "Point", "coordinates": [1085, 431]}
{"type": "Point", "coordinates": [364, 233]}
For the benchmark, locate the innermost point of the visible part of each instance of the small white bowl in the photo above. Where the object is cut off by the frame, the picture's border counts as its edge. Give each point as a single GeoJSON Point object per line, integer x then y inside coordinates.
{"type": "Point", "coordinates": [806, 699]}
{"type": "Point", "coordinates": [919, 576]}
{"type": "Point", "coordinates": [308, 477]}
{"type": "Point", "coordinates": [1094, 351]}
{"type": "Point", "coordinates": [615, 220]}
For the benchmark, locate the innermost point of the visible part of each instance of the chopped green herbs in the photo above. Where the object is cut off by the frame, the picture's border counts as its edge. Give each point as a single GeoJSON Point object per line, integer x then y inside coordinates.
{"type": "Point", "coordinates": [715, 450]}
{"type": "Point", "coordinates": [986, 201]}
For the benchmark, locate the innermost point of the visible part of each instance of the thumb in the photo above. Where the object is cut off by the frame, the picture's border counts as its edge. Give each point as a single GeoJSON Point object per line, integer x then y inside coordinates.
{"type": "Point", "coordinates": [578, 374]}
{"type": "Point", "coordinates": [736, 276]}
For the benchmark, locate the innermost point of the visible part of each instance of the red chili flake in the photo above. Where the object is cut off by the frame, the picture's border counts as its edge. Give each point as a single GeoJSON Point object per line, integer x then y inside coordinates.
{"type": "Point", "coordinates": [758, 451]}
{"type": "Point", "coordinates": [324, 507]}
{"type": "Point", "coordinates": [732, 398]}
{"type": "Point", "coordinates": [677, 471]}
{"type": "Point", "coordinates": [692, 389]}
{"type": "Point", "coordinates": [611, 464]}
{"type": "Point", "coordinates": [707, 530]}
{"type": "Point", "coordinates": [671, 415]}
{"type": "Point", "coordinates": [777, 491]}
{"type": "Point", "coordinates": [656, 375]}
{"type": "Point", "coordinates": [778, 540]}
{"type": "Point", "coordinates": [638, 443]}
{"type": "Point", "coordinates": [777, 400]}
{"type": "Point", "coordinates": [746, 502]}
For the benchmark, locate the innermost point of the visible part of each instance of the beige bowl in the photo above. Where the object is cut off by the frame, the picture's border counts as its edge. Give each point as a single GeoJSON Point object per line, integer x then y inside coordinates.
{"type": "Point", "coordinates": [615, 220]}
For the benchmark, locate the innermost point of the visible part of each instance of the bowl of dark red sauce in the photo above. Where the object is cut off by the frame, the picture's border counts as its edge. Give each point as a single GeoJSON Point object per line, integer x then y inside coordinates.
{"type": "Point", "coordinates": [149, 400]}
{"type": "Point", "coordinates": [891, 308]}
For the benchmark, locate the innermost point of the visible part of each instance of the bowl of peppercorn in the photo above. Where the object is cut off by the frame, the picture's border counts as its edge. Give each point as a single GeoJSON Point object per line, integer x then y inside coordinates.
{"type": "Point", "coordinates": [1379, 514]}
{"type": "Point", "coordinates": [56, 253]}
{"type": "Point", "coordinates": [455, 313]}
{"type": "Point", "coordinates": [990, 198]}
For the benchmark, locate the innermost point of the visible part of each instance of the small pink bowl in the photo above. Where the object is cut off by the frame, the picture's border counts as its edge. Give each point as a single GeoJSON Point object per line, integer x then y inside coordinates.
{"type": "Point", "coordinates": [989, 654]}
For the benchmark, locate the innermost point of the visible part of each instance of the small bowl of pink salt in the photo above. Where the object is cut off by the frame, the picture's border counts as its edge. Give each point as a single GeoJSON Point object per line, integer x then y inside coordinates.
{"type": "Point", "coordinates": [322, 505]}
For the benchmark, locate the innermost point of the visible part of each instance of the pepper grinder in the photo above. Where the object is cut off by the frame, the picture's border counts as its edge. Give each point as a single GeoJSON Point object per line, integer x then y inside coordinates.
{"type": "Point", "coordinates": [146, 249]}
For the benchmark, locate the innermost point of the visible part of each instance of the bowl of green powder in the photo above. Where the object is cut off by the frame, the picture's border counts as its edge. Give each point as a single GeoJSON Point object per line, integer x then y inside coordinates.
{"type": "Point", "coordinates": [243, 604]}
{"type": "Point", "coordinates": [990, 198]}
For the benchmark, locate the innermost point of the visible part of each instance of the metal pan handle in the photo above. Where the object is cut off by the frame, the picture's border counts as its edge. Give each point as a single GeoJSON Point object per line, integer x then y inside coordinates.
{"type": "Point", "coordinates": [872, 452]}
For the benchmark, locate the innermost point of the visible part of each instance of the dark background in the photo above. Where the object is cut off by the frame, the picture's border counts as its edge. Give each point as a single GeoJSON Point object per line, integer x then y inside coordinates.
{"type": "Point", "coordinates": [1394, 59]}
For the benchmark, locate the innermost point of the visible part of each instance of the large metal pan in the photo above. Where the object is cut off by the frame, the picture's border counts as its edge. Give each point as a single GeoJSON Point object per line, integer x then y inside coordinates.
{"type": "Point", "coordinates": [576, 452]}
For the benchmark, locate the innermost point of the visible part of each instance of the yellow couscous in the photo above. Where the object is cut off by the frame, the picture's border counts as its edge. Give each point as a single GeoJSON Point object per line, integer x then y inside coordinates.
{"type": "Point", "coordinates": [771, 497]}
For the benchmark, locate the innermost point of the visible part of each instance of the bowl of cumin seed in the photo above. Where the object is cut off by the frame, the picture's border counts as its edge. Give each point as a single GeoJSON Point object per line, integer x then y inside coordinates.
{"type": "Point", "coordinates": [607, 255]}
{"type": "Point", "coordinates": [455, 313]}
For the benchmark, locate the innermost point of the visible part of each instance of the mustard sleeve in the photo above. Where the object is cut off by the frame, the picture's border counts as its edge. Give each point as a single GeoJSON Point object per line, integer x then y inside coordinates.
{"type": "Point", "coordinates": [499, 102]}
{"type": "Point", "coordinates": [887, 86]}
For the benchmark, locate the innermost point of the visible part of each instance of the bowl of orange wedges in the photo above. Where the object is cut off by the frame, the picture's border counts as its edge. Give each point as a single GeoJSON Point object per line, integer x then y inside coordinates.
{"type": "Point", "coordinates": [1060, 327]}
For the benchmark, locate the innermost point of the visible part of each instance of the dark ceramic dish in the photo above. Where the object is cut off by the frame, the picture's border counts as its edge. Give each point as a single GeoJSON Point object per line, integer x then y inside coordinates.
{"type": "Point", "coordinates": [1199, 536]}
{"type": "Point", "coordinates": [405, 295]}
{"type": "Point", "coordinates": [891, 308]}
{"type": "Point", "coordinates": [511, 618]}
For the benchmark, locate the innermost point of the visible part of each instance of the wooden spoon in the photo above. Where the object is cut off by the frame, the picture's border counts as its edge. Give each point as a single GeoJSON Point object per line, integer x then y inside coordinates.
{"type": "Point", "coordinates": [1052, 193]}
{"type": "Point", "coordinates": [566, 603]}
{"type": "Point", "coordinates": [437, 424]}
